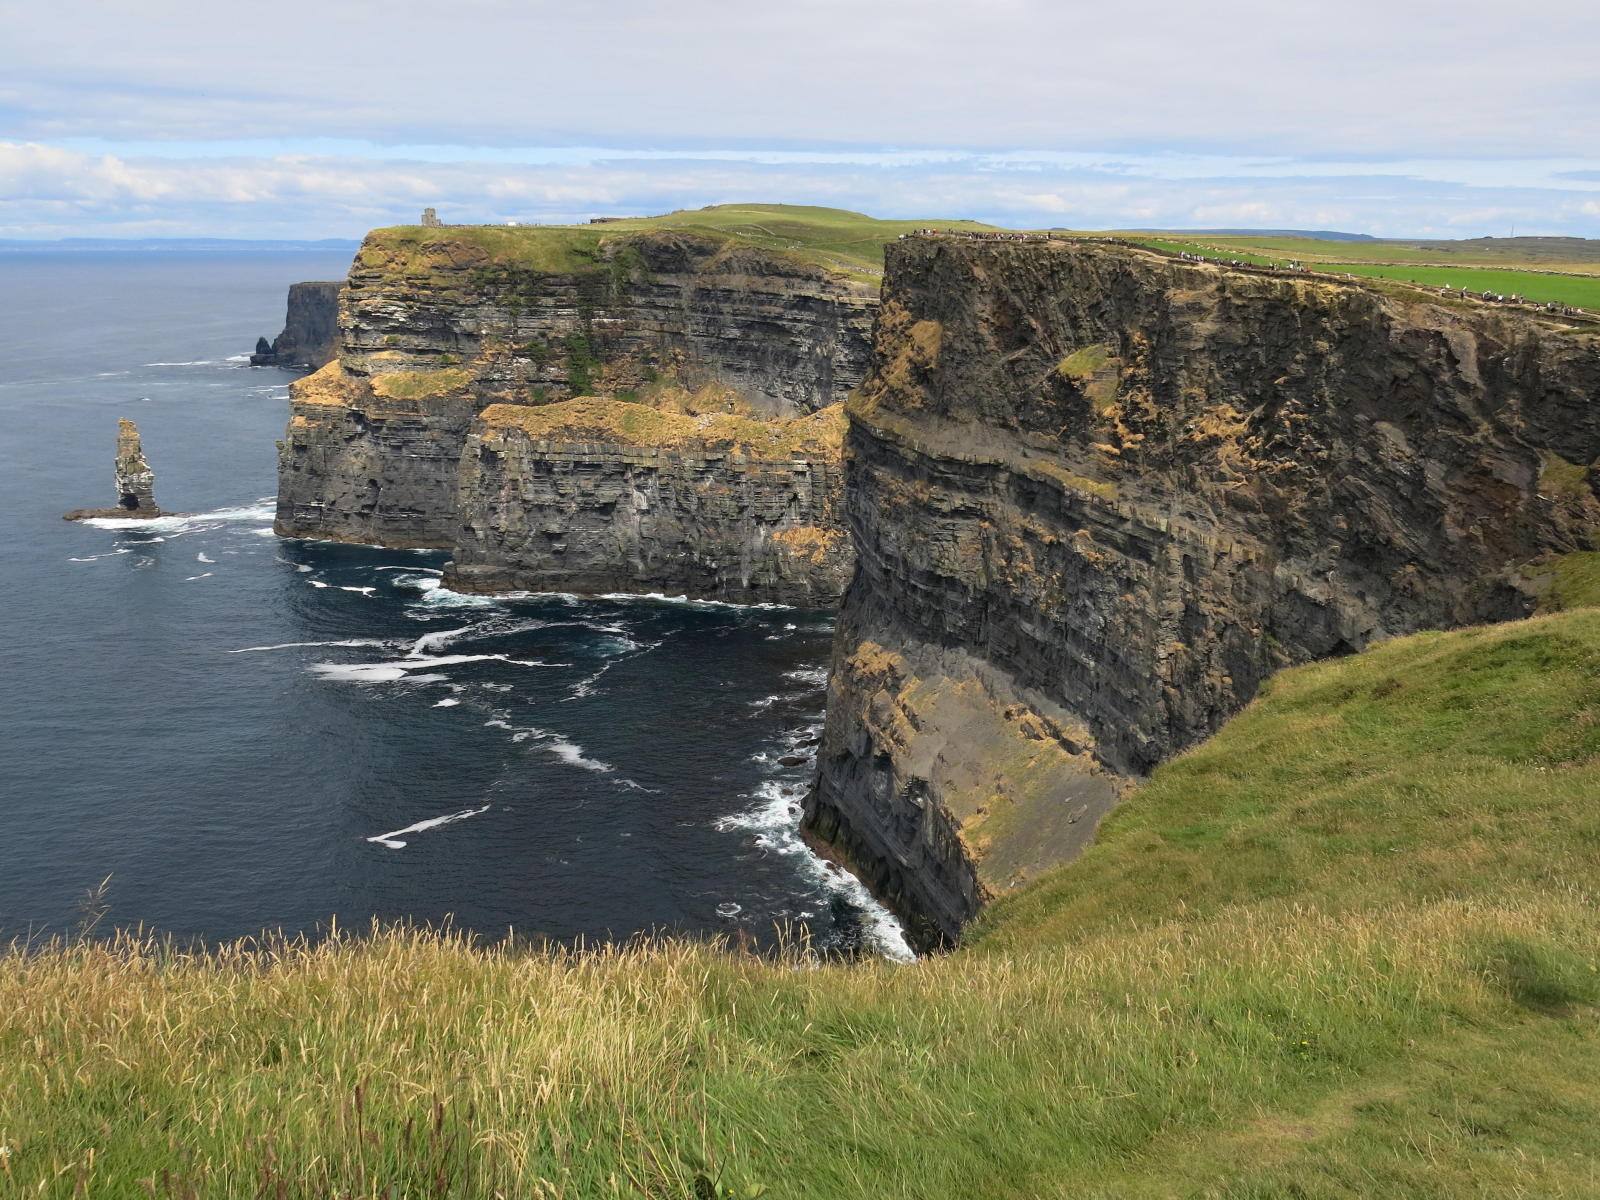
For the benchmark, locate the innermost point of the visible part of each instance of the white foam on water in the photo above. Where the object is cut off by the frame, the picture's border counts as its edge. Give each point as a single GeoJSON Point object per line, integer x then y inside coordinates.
{"type": "Point", "coordinates": [318, 583]}
{"type": "Point", "coordinates": [204, 557]}
{"type": "Point", "coordinates": [728, 909]}
{"type": "Point", "coordinates": [439, 639]}
{"type": "Point", "coordinates": [292, 645]}
{"type": "Point", "coordinates": [661, 598]}
{"type": "Point", "coordinates": [359, 672]}
{"type": "Point", "coordinates": [388, 672]}
{"type": "Point", "coordinates": [392, 839]}
{"type": "Point", "coordinates": [774, 823]}
{"type": "Point", "coordinates": [436, 595]}
{"type": "Point", "coordinates": [364, 591]}
{"type": "Point", "coordinates": [108, 554]}
{"type": "Point", "coordinates": [192, 578]}
{"type": "Point", "coordinates": [572, 753]}
{"type": "Point", "coordinates": [237, 358]}
{"type": "Point", "coordinates": [187, 523]}
{"type": "Point", "coordinates": [199, 362]}
{"type": "Point", "coordinates": [815, 676]}
{"type": "Point", "coordinates": [428, 679]}
{"type": "Point", "coordinates": [447, 702]}
{"type": "Point", "coordinates": [265, 531]}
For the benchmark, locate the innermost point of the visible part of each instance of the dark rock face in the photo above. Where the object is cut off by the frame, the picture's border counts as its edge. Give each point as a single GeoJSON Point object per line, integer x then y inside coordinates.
{"type": "Point", "coordinates": [786, 335]}
{"type": "Point", "coordinates": [699, 518]}
{"type": "Point", "coordinates": [135, 481]}
{"type": "Point", "coordinates": [378, 450]}
{"type": "Point", "coordinates": [1098, 496]}
{"type": "Point", "coordinates": [310, 334]}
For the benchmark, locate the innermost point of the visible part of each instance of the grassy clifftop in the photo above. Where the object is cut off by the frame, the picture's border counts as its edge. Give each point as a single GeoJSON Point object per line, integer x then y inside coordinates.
{"type": "Point", "coordinates": [836, 239]}
{"type": "Point", "coordinates": [1350, 947]}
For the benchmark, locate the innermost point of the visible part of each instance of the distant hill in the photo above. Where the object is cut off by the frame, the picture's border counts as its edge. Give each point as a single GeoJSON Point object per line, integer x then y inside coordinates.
{"type": "Point", "coordinates": [1320, 235]}
{"type": "Point", "coordinates": [250, 245]}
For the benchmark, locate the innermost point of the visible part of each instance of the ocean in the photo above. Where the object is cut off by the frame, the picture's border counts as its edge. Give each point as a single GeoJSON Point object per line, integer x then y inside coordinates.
{"type": "Point", "coordinates": [238, 733]}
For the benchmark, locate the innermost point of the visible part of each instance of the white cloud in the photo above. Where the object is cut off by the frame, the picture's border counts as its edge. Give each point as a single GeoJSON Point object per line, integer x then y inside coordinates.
{"type": "Point", "coordinates": [54, 191]}
{"type": "Point", "coordinates": [1391, 77]}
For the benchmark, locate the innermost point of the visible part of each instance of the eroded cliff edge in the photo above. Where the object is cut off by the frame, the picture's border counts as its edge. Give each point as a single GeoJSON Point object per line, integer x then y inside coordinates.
{"type": "Point", "coordinates": [388, 444]}
{"type": "Point", "coordinates": [1098, 495]}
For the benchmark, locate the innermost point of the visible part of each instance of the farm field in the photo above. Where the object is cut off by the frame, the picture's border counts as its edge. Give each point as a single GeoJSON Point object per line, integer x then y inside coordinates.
{"type": "Point", "coordinates": [1401, 262]}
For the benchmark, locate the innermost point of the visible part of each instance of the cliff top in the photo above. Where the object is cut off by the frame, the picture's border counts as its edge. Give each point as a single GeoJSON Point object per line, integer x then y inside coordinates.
{"type": "Point", "coordinates": [834, 239]}
{"type": "Point", "coordinates": [596, 419]}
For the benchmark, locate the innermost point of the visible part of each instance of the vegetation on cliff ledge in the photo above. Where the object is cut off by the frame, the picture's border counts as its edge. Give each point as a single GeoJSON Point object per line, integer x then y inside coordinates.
{"type": "Point", "coordinates": [1348, 948]}
{"type": "Point", "coordinates": [621, 422]}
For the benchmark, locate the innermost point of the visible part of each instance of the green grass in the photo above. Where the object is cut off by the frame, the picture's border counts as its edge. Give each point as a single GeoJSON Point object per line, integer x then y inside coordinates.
{"type": "Point", "coordinates": [847, 242]}
{"type": "Point", "coordinates": [1348, 948]}
{"type": "Point", "coordinates": [1580, 291]}
{"type": "Point", "coordinates": [1577, 580]}
{"type": "Point", "coordinates": [1577, 290]}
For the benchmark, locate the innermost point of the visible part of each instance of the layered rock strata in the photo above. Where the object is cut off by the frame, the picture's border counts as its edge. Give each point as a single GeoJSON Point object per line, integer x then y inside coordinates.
{"type": "Point", "coordinates": [596, 496]}
{"type": "Point", "coordinates": [438, 325]}
{"type": "Point", "coordinates": [310, 336]}
{"type": "Point", "coordinates": [1098, 496]}
{"type": "Point", "coordinates": [135, 481]}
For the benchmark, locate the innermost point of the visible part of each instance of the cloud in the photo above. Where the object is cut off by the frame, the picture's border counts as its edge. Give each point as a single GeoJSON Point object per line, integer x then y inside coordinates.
{"type": "Point", "coordinates": [57, 191]}
{"type": "Point", "coordinates": [1366, 77]}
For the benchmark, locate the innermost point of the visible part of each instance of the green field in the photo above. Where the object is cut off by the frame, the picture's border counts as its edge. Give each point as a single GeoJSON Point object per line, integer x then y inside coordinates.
{"type": "Point", "coordinates": [852, 244]}
{"type": "Point", "coordinates": [1349, 948]}
{"type": "Point", "coordinates": [1566, 274]}
{"type": "Point", "coordinates": [1580, 291]}
{"type": "Point", "coordinates": [849, 242]}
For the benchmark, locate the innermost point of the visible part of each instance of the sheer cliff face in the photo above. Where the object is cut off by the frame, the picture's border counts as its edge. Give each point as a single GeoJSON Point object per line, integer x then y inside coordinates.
{"type": "Point", "coordinates": [1097, 496]}
{"type": "Point", "coordinates": [436, 328]}
{"type": "Point", "coordinates": [677, 507]}
{"type": "Point", "coordinates": [310, 336]}
{"type": "Point", "coordinates": [785, 334]}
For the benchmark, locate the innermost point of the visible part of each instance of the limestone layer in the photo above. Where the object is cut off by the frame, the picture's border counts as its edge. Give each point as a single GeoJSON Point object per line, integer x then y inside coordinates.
{"type": "Point", "coordinates": [683, 506]}
{"type": "Point", "coordinates": [1097, 496]}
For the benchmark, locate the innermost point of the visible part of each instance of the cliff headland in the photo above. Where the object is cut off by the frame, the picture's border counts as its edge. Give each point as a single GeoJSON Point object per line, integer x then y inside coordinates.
{"type": "Point", "coordinates": [1088, 494]}
{"type": "Point", "coordinates": [729, 325]}
{"type": "Point", "coordinates": [1098, 495]}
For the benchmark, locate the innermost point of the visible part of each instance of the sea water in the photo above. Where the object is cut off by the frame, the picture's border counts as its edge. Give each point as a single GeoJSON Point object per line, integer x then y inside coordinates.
{"type": "Point", "coordinates": [245, 732]}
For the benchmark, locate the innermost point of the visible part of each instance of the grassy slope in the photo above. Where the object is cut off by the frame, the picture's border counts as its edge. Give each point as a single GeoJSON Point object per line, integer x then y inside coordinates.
{"type": "Point", "coordinates": [845, 241]}
{"type": "Point", "coordinates": [1347, 948]}
{"type": "Point", "coordinates": [1559, 270]}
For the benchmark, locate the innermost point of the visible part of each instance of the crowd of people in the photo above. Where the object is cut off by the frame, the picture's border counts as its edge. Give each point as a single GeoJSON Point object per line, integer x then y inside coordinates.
{"type": "Point", "coordinates": [982, 235]}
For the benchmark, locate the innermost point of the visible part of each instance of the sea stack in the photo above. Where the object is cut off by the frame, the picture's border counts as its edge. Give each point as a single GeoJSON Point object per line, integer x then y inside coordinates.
{"type": "Point", "coordinates": [136, 482]}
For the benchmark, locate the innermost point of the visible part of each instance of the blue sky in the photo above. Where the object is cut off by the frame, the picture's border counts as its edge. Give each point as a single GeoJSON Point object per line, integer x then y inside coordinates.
{"type": "Point", "coordinates": [174, 118]}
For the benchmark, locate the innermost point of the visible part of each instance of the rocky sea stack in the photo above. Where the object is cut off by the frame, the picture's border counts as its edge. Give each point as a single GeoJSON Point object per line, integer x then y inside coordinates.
{"type": "Point", "coordinates": [135, 481]}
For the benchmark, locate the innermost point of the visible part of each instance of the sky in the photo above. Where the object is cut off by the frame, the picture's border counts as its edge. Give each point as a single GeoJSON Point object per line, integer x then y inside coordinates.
{"type": "Point", "coordinates": [1399, 118]}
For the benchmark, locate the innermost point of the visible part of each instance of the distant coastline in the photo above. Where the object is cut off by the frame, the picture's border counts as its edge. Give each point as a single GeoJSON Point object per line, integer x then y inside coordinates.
{"type": "Point", "coordinates": [179, 245]}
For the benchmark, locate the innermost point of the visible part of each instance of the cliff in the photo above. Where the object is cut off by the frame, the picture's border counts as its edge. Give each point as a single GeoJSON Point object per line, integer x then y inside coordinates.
{"type": "Point", "coordinates": [310, 336]}
{"type": "Point", "coordinates": [1097, 496]}
{"type": "Point", "coordinates": [439, 325]}
{"type": "Point", "coordinates": [601, 496]}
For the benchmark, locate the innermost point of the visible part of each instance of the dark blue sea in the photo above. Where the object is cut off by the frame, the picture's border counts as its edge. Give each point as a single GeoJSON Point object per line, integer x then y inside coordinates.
{"type": "Point", "coordinates": [245, 733]}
